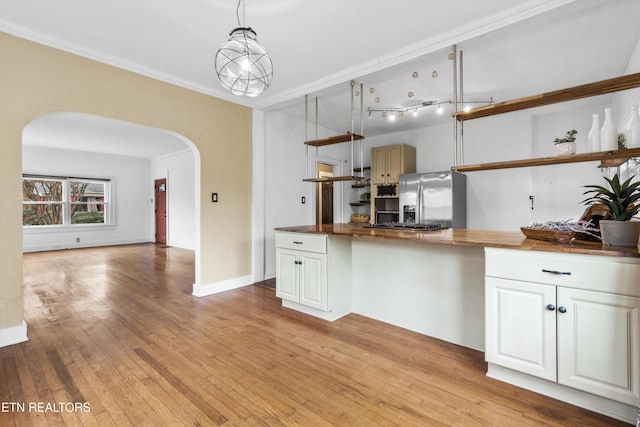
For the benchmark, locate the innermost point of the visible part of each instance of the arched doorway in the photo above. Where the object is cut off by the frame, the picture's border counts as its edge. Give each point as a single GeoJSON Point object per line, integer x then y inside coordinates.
{"type": "Point", "coordinates": [129, 157]}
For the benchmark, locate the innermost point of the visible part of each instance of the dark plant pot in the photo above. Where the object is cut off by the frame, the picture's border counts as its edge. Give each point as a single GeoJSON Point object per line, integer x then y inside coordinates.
{"type": "Point", "coordinates": [620, 233]}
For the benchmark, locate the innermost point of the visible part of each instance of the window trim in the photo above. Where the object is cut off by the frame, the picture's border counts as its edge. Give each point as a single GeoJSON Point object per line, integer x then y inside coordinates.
{"type": "Point", "coordinates": [66, 203]}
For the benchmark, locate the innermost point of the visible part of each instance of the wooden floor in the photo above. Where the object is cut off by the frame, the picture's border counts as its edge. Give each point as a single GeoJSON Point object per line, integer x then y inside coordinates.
{"type": "Point", "coordinates": [117, 331]}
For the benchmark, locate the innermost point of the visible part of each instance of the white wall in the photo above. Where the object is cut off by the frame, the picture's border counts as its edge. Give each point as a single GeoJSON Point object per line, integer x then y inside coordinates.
{"type": "Point", "coordinates": [178, 168]}
{"type": "Point", "coordinates": [130, 191]}
{"type": "Point", "coordinates": [284, 171]}
{"type": "Point", "coordinates": [622, 103]}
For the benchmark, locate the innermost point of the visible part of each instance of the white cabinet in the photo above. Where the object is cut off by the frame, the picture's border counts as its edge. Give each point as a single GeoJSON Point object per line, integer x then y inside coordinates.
{"type": "Point", "coordinates": [313, 273]}
{"type": "Point", "coordinates": [571, 319]}
{"type": "Point", "coordinates": [302, 277]}
{"type": "Point", "coordinates": [598, 344]}
{"type": "Point", "coordinates": [520, 331]}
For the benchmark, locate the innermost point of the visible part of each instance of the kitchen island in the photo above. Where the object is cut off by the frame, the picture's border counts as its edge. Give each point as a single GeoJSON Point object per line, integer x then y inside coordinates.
{"type": "Point", "coordinates": [463, 237]}
{"type": "Point", "coordinates": [439, 283]}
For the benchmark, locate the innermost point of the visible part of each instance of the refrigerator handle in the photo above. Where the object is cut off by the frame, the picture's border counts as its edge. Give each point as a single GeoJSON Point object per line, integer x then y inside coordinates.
{"type": "Point", "coordinates": [418, 216]}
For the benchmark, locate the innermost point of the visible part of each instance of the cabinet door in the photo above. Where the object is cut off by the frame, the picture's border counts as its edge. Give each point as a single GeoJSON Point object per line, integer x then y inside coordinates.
{"type": "Point", "coordinates": [598, 350]}
{"type": "Point", "coordinates": [379, 165]}
{"type": "Point", "coordinates": [394, 163]}
{"type": "Point", "coordinates": [313, 280]}
{"type": "Point", "coordinates": [521, 326]}
{"type": "Point", "coordinates": [287, 275]}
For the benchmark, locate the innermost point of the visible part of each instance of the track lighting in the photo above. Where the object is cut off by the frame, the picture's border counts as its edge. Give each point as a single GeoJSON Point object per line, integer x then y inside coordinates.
{"type": "Point", "coordinates": [393, 113]}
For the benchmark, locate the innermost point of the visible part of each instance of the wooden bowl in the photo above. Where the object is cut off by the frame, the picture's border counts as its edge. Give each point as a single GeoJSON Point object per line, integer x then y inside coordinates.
{"type": "Point", "coordinates": [547, 235]}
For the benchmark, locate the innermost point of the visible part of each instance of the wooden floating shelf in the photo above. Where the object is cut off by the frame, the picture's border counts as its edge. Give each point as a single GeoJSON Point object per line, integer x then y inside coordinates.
{"type": "Point", "coordinates": [360, 203]}
{"type": "Point", "coordinates": [334, 178]}
{"type": "Point", "coordinates": [584, 91]}
{"type": "Point", "coordinates": [334, 140]}
{"type": "Point", "coordinates": [607, 158]}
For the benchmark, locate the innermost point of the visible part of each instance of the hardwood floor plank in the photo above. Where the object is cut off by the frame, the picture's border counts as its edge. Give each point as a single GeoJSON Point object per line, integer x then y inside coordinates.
{"type": "Point", "coordinates": [214, 416]}
{"type": "Point", "coordinates": [11, 392]}
{"type": "Point", "coordinates": [65, 378]}
{"type": "Point", "coordinates": [118, 327]}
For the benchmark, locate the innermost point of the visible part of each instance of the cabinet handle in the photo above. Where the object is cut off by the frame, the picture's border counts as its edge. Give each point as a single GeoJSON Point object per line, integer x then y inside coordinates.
{"type": "Point", "coordinates": [551, 307]}
{"type": "Point", "coordinates": [297, 262]}
{"type": "Point", "coordinates": [566, 273]}
{"type": "Point", "coordinates": [562, 309]}
{"type": "Point", "coordinates": [297, 243]}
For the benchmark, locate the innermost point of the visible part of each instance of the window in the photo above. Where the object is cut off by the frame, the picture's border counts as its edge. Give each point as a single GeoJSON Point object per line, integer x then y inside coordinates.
{"type": "Point", "coordinates": [63, 201]}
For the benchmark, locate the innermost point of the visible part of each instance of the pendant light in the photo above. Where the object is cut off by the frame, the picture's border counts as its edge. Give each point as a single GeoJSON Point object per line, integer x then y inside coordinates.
{"type": "Point", "coordinates": [242, 64]}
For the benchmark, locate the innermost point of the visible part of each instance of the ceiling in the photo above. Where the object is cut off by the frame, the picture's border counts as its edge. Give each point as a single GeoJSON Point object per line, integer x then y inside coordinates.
{"type": "Point", "coordinates": [510, 48]}
{"type": "Point", "coordinates": [84, 132]}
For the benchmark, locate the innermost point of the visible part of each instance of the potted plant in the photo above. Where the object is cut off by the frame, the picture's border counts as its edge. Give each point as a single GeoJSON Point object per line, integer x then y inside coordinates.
{"type": "Point", "coordinates": [622, 141]}
{"type": "Point", "coordinates": [620, 199]}
{"type": "Point", "coordinates": [566, 145]}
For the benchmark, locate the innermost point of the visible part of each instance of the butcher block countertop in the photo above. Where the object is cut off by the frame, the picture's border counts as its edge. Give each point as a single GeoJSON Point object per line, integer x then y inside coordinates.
{"type": "Point", "coordinates": [464, 237]}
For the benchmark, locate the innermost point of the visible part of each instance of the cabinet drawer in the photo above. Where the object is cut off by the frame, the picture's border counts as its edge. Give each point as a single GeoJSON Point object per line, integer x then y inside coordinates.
{"type": "Point", "coordinates": [302, 242]}
{"type": "Point", "coordinates": [593, 272]}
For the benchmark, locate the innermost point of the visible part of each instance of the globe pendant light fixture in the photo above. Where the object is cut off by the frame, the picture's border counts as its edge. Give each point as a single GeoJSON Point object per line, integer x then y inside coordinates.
{"type": "Point", "coordinates": [242, 64]}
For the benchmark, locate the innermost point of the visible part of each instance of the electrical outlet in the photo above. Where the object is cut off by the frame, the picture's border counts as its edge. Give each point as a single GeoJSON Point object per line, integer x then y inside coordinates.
{"type": "Point", "coordinates": [303, 200]}
{"type": "Point", "coordinates": [214, 197]}
{"type": "Point", "coordinates": [77, 240]}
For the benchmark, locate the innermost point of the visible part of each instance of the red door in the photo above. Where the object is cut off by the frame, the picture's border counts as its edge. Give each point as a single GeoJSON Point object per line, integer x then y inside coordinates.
{"type": "Point", "coordinates": [161, 210]}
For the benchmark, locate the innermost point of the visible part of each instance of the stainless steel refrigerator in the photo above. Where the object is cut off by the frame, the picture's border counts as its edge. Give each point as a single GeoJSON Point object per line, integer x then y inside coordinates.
{"type": "Point", "coordinates": [434, 198]}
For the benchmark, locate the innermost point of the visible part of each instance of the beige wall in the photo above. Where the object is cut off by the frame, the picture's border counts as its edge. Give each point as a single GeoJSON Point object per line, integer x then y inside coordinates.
{"type": "Point", "coordinates": [36, 79]}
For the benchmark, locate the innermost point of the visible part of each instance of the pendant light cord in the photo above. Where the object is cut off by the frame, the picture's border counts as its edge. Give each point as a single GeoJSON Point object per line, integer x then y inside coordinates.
{"type": "Point", "coordinates": [238, 13]}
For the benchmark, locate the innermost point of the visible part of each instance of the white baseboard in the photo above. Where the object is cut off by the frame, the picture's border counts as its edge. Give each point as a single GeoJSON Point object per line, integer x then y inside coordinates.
{"type": "Point", "coordinates": [13, 335]}
{"type": "Point", "coordinates": [222, 286]}
{"type": "Point", "coordinates": [181, 245]}
{"type": "Point", "coordinates": [610, 408]}
{"type": "Point", "coordinates": [330, 316]}
{"type": "Point", "coordinates": [93, 244]}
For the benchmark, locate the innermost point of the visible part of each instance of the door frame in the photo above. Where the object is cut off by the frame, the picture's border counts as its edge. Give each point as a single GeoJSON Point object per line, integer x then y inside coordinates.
{"type": "Point", "coordinates": [166, 210]}
{"type": "Point", "coordinates": [338, 205]}
{"type": "Point", "coordinates": [323, 170]}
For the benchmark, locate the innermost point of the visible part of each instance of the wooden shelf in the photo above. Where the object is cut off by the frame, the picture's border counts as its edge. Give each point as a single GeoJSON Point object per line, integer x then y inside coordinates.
{"type": "Point", "coordinates": [334, 178]}
{"type": "Point", "coordinates": [334, 140]}
{"type": "Point", "coordinates": [607, 158]}
{"type": "Point", "coordinates": [584, 91]}
{"type": "Point", "coordinates": [360, 203]}
{"type": "Point", "coordinates": [366, 168]}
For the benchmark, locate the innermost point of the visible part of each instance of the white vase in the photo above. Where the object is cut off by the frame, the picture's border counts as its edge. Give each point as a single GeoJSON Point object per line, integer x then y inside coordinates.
{"type": "Point", "coordinates": [608, 133]}
{"type": "Point", "coordinates": [620, 233]}
{"type": "Point", "coordinates": [634, 128]}
{"type": "Point", "coordinates": [594, 135]}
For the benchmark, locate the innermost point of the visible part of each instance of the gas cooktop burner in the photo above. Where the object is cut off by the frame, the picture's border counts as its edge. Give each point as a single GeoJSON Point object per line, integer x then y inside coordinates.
{"type": "Point", "coordinates": [408, 226]}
